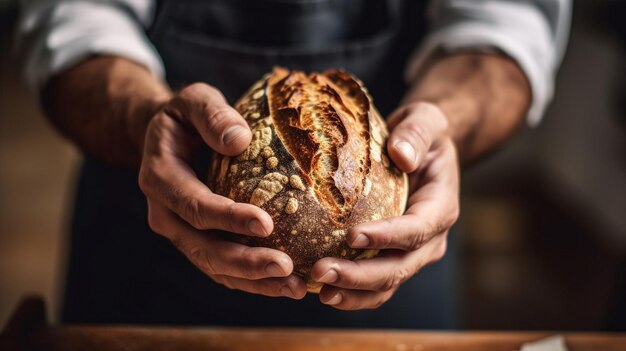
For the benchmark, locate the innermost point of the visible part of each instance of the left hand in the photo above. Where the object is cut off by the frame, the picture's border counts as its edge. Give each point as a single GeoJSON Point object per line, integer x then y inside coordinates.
{"type": "Point", "coordinates": [419, 144]}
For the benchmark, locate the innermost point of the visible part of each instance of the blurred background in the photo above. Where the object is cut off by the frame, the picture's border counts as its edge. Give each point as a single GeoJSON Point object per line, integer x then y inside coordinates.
{"type": "Point", "coordinates": [543, 225]}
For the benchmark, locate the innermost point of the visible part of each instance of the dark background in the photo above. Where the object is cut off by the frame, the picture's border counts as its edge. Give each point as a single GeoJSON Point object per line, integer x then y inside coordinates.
{"type": "Point", "coordinates": [543, 222]}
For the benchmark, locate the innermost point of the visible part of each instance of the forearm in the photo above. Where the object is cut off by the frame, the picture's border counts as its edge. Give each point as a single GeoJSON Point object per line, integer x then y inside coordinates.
{"type": "Point", "coordinates": [484, 96]}
{"type": "Point", "coordinates": [104, 105]}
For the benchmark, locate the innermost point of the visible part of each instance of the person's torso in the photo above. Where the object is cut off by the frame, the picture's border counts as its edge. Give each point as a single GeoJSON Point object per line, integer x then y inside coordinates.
{"type": "Point", "coordinates": [121, 272]}
{"type": "Point", "coordinates": [231, 43]}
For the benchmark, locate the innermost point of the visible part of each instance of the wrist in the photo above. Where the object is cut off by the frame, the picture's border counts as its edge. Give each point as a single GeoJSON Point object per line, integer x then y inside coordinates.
{"type": "Point", "coordinates": [103, 105]}
{"type": "Point", "coordinates": [136, 96]}
{"type": "Point", "coordinates": [483, 96]}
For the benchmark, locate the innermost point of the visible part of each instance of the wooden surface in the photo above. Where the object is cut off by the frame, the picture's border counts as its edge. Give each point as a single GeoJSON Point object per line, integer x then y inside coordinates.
{"type": "Point", "coordinates": [28, 331]}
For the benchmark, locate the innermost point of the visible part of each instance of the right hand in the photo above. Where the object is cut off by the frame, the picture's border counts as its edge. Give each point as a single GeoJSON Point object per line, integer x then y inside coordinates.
{"type": "Point", "coordinates": [184, 210]}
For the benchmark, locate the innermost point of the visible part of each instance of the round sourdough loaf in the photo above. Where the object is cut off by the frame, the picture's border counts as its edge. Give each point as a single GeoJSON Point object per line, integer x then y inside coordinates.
{"type": "Point", "coordinates": [317, 164]}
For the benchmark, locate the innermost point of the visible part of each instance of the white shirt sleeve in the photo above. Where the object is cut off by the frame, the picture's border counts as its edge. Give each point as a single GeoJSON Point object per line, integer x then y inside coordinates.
{"type": "Point", "coordinates": [53, 35]}
{"type": "Point", "coordinates": [532, 32]}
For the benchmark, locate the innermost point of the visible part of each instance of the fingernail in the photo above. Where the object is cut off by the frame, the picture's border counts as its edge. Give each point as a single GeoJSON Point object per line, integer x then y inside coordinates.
{"type": "Point", "coordinates": [360, 241]}
{"type": "Point", "coordinates": [256, 227]}
{"type": "Point", "coordinates": [329, 277]}
{"type": "Point", "coordinates": [274, 270]}
{"type": "Point", "coordinates": [285, 290]}
{"type": "Point", "coordinates": [335, 300]}
{"type": "Point", "coordinates": [407, 150]}
{"type": "Point", "coordinates": [232, 133]}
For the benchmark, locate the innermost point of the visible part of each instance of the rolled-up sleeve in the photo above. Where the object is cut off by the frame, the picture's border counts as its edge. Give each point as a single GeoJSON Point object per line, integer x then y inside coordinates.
{"type": "Point", "coordinates": [53, 35]}
{"type": "Point", "coordinates": [533, 33]}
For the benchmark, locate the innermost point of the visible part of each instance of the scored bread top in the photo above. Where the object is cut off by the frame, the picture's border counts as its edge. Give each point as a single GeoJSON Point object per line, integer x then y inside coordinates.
{"type": "Point", "coordinates": [323, 123]}
{"type": "Point", "coordinates": [316, 163]}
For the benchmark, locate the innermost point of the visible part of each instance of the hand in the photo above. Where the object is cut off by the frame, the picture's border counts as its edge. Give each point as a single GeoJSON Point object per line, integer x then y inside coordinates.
{"type": "Point", "coordinates": [420, 146]}
{"type": "Point", "coordinates": [184, 210]}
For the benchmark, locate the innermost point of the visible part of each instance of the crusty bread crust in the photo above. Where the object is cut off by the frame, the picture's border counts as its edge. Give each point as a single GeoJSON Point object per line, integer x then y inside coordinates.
{"type": "Point", "coordinates": [317, 164]}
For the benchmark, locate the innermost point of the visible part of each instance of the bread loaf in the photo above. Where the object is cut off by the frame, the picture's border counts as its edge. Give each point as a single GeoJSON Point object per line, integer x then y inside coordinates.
{"type": "Point", "coordinates": [317, 164]}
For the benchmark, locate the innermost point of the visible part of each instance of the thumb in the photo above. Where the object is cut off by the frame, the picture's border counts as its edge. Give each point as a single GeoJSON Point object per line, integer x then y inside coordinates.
{"type": "Point", "coordinates": [416, 129]}
{"type": "Point", "coordinates": [220, 126]}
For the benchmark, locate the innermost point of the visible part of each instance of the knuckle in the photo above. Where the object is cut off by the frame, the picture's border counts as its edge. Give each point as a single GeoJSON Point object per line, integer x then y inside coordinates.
{"type": "Point", "coordinates": [431, 109]}
{"type": "Point", "coordinates": [378, 302]}
{"type": "Point", "coordinates": [386, 240]}
{"type": "Point", "coordinates": [159, 134]}
{"type": "Point", "coordinates": [145, 180]}
{"type": "Point", "coordinates": [159, 121]}
{"type": "Point", "coordinates": [387, 284]}
{"type": "Point", "coordinates": [229, 217]}
{"type": "Point", "coordinates": [413, 107]}
{"type": "Point", "coordinates": [202, 260]}
{"type": "Point", "coordinates": [148, 178]}
{"type": "Point", "coordinates": [451, 219]}
{"type": "Point", "coordinates": [456, 213]}
{"type": "Point", "coordinates": [419, 136]}
{"type": "Point", "coordinates": [355, 282]}
{"type": "Point", "coordinates": [190, 209]}
{"type": "Point", "coordinates": [193, 89]}
{"type": "Point", "coordinates": [440, 252]}
{"type": "Point", "coordinates": [208, 89]}
{"type": "Point", "coordinates": [274, 288]}
{"type": "Point", "coordinates": [393, 281]}
{"type": "Point", "coordinates": [352, 281]}
{"type": "Point", "coordinates": [348, 302]}
{"type": "Point", "coordinates": [223, 280]}
{"type": "Point", "coordinates": [156, 223]}
{"type": "Point", "coordinates": [434, 113]}
{"type": "Point", "coordinates": [246, 270]}
{"type": "Point", "coordinates": [194, 97]}
{"type": "Point", "coordinates": [416, 241]}
{"type": "Point", "coordinates": [450, 146]}
{"type": "Point", "coordinates": [216, 117]}
{"type": "Point", "coordinates": [176, 105]}
{"type": "Point", "coordinates": [249, 265]}
{"type": "Point", "coordinates": [446, 222]}
{"type": "Point", "coordinates": [401, 276]}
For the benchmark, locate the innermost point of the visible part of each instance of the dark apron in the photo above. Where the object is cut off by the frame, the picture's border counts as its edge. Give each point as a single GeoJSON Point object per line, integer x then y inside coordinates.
{"type": "Point", "coordinates": [121, 272]}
